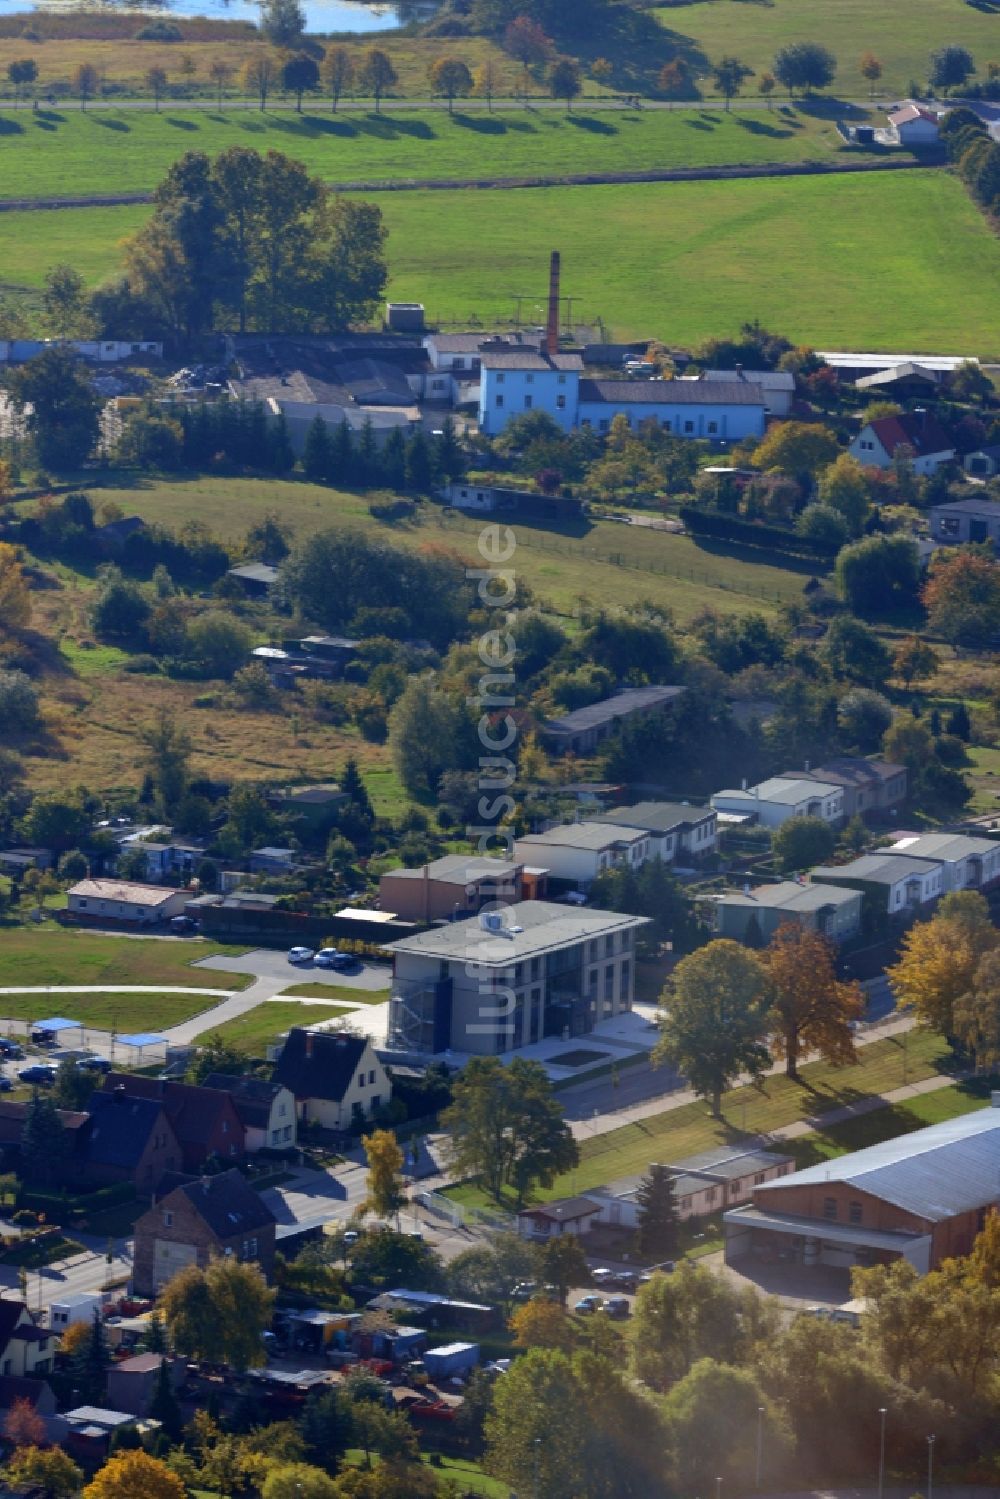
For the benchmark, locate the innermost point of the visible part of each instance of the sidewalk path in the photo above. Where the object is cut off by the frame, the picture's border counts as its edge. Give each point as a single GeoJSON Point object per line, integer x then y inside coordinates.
{"type": "Point", "coordinates": [585, 1129]}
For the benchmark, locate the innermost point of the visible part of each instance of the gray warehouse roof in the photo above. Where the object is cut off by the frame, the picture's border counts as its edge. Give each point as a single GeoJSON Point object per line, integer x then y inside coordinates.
{"type": "Point", "coordinates": [530, 927]}
{"type": "Point", "coordinates": [946, 846]}
{"type": "Point", "coordinates": [934, 1173]}
{"type": "Point", "coordinates": [461, 869]}
{"type": "Point", "coordinates": [877, 869]}
{"type": "Point", "coordinates": [629, 700]}
{"type": "Point", "coordinates": [672, 392]}
{"type": "Point", "coordinates": [593, 836]}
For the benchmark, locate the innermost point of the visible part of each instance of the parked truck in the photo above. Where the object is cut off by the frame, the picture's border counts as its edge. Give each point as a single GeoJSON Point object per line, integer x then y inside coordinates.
{"type": "Point", "coordinates": [451, 1361]}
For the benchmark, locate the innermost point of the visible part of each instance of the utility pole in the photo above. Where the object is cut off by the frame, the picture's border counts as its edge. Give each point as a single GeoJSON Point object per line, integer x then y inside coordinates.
{"type": "Point", "coordinates": [881, 1454]}
{"type": "Point", "coordinates": [760, 1444]}
{"type": "Point", "coordinates": [930, 1467]}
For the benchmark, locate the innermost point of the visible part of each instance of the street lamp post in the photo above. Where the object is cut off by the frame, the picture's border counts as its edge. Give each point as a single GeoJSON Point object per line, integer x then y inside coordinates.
{"type": "Point", "coordinates": [930, 1467]}
{"type": "Point", "coordinates": [881, 1454]}
{"type": "Point", "coordinates": [718, 1488]}
{"type": "Point", "coordinates": [538, 1450]}
{"type": "Point", "coordinates": [760, 1445]}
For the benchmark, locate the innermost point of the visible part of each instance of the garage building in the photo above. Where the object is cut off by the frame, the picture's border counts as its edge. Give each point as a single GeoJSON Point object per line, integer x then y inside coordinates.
{"type": "Point", "coordinates": [923, 1197]}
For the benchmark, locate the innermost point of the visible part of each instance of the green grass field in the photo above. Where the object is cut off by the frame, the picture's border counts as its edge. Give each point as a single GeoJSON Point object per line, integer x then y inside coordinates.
{"type": "Point", "coordinates": [902, 37]}
{"type": "Point", "coordinates": [677, 1133]}
{"type": "Point", "coordinates": [66, 153]}
{"type": "Point", "coordinates": [51, 955]}
{"type": "Point", "coordinates": [105, 1012]}
{"type": "Point", "coordinates": [887, 1123]}
{"type": "Point", "coordinates": [560, 568]}
{"type": "Point", "coordinates": [901, 261]}
{"type": "Point", "coordinates": [319, 990]}
{"type": "Point", "coordinates": [254, 1031]}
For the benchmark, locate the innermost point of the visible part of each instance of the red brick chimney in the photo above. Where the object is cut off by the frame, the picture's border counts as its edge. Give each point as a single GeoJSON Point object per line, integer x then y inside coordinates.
{"type": "Point", "coordinates": [552, 329]}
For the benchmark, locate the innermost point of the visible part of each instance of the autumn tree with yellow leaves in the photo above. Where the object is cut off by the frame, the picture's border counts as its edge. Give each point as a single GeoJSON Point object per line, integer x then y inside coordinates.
{"type": "Point", "coordinates": [812, 1010]}
{"type": "Point", "coordinates": [940, 958]}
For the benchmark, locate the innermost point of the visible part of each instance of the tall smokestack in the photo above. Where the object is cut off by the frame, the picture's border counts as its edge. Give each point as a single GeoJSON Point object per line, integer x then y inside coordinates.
{"type": "Point", "coordinates": [552, 330]}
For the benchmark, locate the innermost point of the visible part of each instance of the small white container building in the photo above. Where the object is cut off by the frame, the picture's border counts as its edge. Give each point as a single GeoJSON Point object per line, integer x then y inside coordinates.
{"type": "Point", "coordinates": [72, 1309]}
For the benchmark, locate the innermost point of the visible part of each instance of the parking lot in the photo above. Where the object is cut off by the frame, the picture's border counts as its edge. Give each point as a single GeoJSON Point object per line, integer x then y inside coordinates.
{"type": "Point", "coordinates": [264, 963]}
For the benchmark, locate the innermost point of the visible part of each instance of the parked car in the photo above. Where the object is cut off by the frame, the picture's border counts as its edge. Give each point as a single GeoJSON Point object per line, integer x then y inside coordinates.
{"type": "Point", "coordinates": [586, 1305]}
{"type": "Point", "coordinates": [43, 1038]}
{"type": "Point", "coordinates": [525, 1290]}
{"type": "Point", "coordinates": [603, 1276]}
{"type": "Point", "coordinates": [38, 1072]}
{"type": "Point", "coordinates": [627, 1279]}
{"type": "Point", "coordinates": [5, 1085]}
{"type": "Point", "coordinates": [10, 1049]}
{"type": "Point", "coordinates": [618, 1308]}
{"type": "Point", "coordinates": [183, 925]}
{"type": "Point", "coordinates": [93, 1064]}
{"type": "Point", "coordinates": [330, 957]}
{"type": "Point", "coordinates": [300, 954]}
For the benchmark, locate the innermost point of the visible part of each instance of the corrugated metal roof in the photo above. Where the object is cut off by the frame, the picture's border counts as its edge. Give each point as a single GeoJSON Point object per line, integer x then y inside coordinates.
{"type": "Point", "coordinates": [935, 1173]}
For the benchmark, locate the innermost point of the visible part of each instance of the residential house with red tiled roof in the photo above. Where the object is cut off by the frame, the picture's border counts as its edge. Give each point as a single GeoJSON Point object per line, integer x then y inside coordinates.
{"type": "Point", "coordinates": [913, 124]}
{"type": "Point", "coordinates": [205, 1120]}
{"type": "Point", "coordinates": [913, 434]}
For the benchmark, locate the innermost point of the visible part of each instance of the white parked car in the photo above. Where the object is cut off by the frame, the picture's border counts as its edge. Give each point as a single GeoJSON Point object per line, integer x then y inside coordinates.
{"type": "Point", "coordinates": [300, 955]}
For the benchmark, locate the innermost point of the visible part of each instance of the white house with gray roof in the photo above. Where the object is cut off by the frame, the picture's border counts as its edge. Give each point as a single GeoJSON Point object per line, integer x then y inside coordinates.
{"type": "Point", "coordinates": [581, 851]}
{"type": "Point", "coordinates": [678, 831]}
{"type": "Point", "coordinates": [516, 381]}
{"type": "Point", "coordinates": [895, 883]}
{"type": "Point", "coordinates": [967, 863]}
{"type": "Point", "coordinates": [509, 978]}
{"type": "Point", "coordinates": [774, 801]}
{"type": "Point", "coordinates": [776, 386]}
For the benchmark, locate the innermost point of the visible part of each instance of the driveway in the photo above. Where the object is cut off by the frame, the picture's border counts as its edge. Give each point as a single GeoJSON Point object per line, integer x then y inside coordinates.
{"type": "Point", "coordinates": [264, 963]}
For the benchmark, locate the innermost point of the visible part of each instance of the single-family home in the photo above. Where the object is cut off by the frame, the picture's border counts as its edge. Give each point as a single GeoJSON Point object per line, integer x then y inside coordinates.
{"type": "Point", "coordinates": [313, 806]}
{"type": "Point", "coordinates": [166, 857]}
{"type": "Point", "coordinates": [776, 800]}
{"type": "Point", "coordinates": [508, 978]}
{"type": "Point", "coordinates": [776, 386]}
{"type": "Point", "coordinates": [513, 504]}
{"type": "Point", "coordinates": [984, 463]}
{"type": "Point", "coordinates": [871, 787]}
{"type": "Point", "coordinates": [831, 910]}
{"type": "Point", "coordinates": [895, 884]}
{"type": "Point", "coordinates": [579, 852]}
{"type": "Point", "coordinates": [204, 1120]}
{"type": "Point", "coordinates": [922, 1197]}
{"type": "Point", "coordinates": [913, 435]}
{"type": "Point", "coordinates": [455, 886]}
{"type": "Point", "coordinates": [964, 522]}
{"type": "Point", "coordinates": [110, 900]}
{"type": "Point", "coordinates": [273, 860]}
{"type": "Point", "coordinates": [266, 1110]}
{"type": "Point", "coordinates": [336, 1077]}
{"type": "Point", "coordinates": [554, 1220]}
{"type": "Point", "coordinates": [26, 1349]}
{"type": "Point", "coordinates": [912, 124]}
{"type": "Point", "coordinates": [195, 1222]}
{"type": "Point", "coordinates": [678, 831]}
{"type": "Point", "coordinates": [128, 1139]}
{"type": "Point", "coordinates": [581, 731]}
{"type": "Point", "coordinates": [967, 863]}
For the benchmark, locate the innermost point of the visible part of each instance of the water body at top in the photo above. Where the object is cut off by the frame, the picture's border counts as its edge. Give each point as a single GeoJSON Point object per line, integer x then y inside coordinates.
{"type": "Point", "coordinates": [322, 16]}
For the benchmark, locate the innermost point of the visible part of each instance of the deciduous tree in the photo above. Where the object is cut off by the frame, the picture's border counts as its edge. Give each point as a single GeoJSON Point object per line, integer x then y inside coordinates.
{"type": "Point", "coordinates": [259, 74]}
{"type": "Point", "coordinates": [337, 71]}
{"type": "Point", "coordinates": [15, 599]}
{"type": "Point", "coordinates": [221, 74]}
{"type": "Point", "coordinates": [283, 22]}
{"type": "Point", "coordinates": [564, 1264]}
{"type": "Point", "coordinates": [940, 957]}
{"type": "Point", "coordinates": [376, 75]}
{"type": "Point", "coordinates": [49, 1471]}
{"type": "Point", "coordinates": [506, 1128]}
{"type": "Point", "coordinates": [541, 1323]}
{"type": "Point", "coordinates": [167, 750]}
{"type": "Point", "coordinates": [300, 75]}
{"type": "Point", "coordinates": [976, 1014]}
{"type": "Point", "coordinates": [450, 77]}
{"type": "Point", "coordinates": [801, 842]}
{"type": "Point", "coordinates": [951, 67]}
{"type": "Point", "coordinates": [23, 1425]}
{"type": "Point", "coordinates": [914, 661]}
{"type": "Point", "coordinates": [486, 81]}
{"type": "Point", "coordinates": [135, 1475]}
{"type": "Point", "coordinates": [729, 75]}
{"type": "Point", "coordinates": [694, 1314]}
{"type": "Point", "coordinates": [156, 82]}
{"type": "Point", "coordinates": [218, 1315]}
{"type": "Point", "coordinates": [812, 1010]}
{"type": "Point", "coordinates": [384, 1190]}
{"type": "Point", "coordinates": [565, 81]}
{"type": "Point", "coordinates": [871, 69]}
{"type": "Point", "coordinates": [85, 81]}
{"type": "Point", "coordinates": [804, 66]}
{"type": "Point", "coordinates": [962, 597]}
{"type": "Point", "coordinates": [713, 1019]}
{"type": "Point", "coordinates": [22, 72]}
{"type": "Point", "coordinates": [63, 420]}
{"type": "Point", "coordinates": [528, 44]}
{"type": "Point", "coordinates": [797, 448]}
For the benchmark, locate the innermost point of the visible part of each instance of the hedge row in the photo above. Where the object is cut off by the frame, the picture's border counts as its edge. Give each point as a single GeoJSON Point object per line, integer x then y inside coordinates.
{"type": "Point", "coordinates": [751, 533]}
